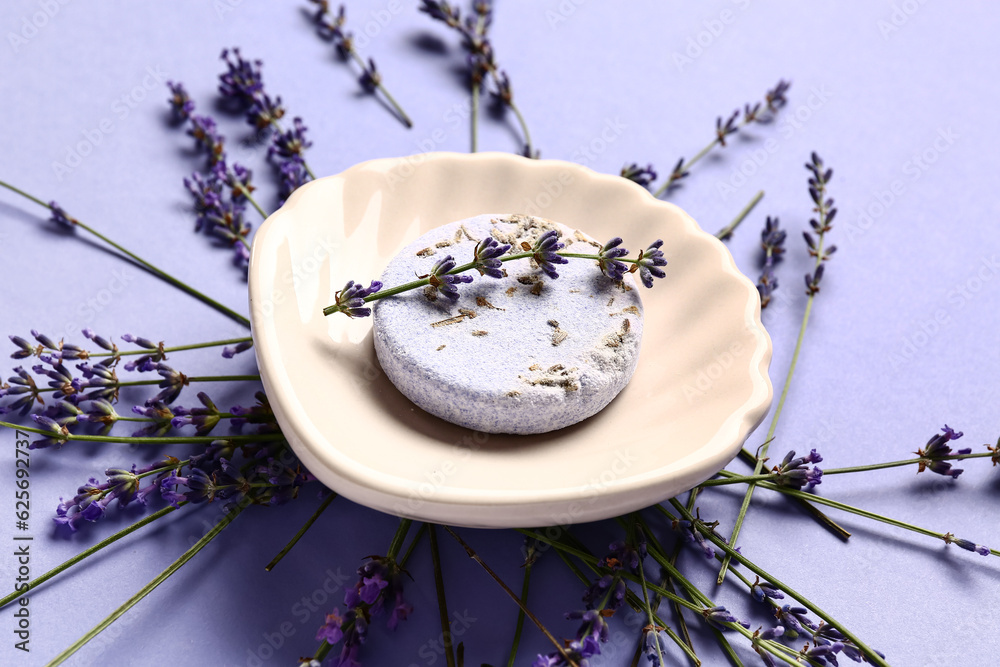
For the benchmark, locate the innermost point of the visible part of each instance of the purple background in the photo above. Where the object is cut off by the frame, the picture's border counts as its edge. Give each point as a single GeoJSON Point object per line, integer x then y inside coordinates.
{"type": "Point", "coordinates": [903, 337]}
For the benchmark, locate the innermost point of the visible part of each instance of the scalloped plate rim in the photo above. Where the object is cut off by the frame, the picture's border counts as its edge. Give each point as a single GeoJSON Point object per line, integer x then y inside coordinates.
{"type": "Point", "coordinates": [376, 489]}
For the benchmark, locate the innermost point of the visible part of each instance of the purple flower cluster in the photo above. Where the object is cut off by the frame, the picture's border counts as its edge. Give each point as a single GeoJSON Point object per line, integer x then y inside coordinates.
{"type": "Point", "coordinates": [821, 224]}
{"type": "Point", "coordinates": [827, 641]}
{"type": "Point", "coordinates": [260, 415]}
{"type": "Point", "coordinates": [795, 472]}
{"type": "Point", "coordinates": [654, 644]}
{"type": "Point", "coordinates": [444, 282]}
{"type": "Point", "coordinates": [351, 299]}
{"type": "Point", "coordinates": [719, 616]}
{"type": "Point", "coordinates": [724, 128]}
{"type": "Point", "coordinates": [92, 499]}
{"type": "Point", "coordinates": [473, 31]}
{"type": "Point", "coordinates": [609, 254]}
{"type": "Point", "coordinates": [762, 590]}
{"type": "Point", "coordinates": [933, 455]}
{"type": "Point", "coordinates": [268, 474]}
{"type": "Point", "coordinates": [650, 262]}
{"type": "Point", "coordinates": [545, 252]}
{"type": "Point", "coordinates": [331, 28]}
{"type": "Point", "coordinates": [488, 251]}
{"type": "Point", "coordinates": [689, 533]}
{"type": "Point", "coordinates": [968, 545]}
{"type": "Point", "coordinates": [379, 589]}
{"type": "Point", "coordinates": [220, 194]}
{"type": "Point", "coordinates": [85, 395]}
{"type": "Point", "coordinates": [626, 554]}
{"type": "Point", "coordinates": [772, 241]}
{"type": "Point", "coordinates": [644, 176]}
{"type": "Point", "coordinates": [242, 86]}
{"type": "Point", "coordinates": [220, 203]}
{"type": "Point", "coordinates": [603, 598]}
{"type": "Point", "coordinates": [286, 152]}
{"type": "Point", "coordinates": [204, 419]}
{"type": "Point", "coordinates": [60, 217]}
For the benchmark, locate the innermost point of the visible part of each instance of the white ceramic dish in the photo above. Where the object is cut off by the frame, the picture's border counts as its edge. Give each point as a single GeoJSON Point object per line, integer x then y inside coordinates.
{"type": "Point", "coordinates": [701, 386]}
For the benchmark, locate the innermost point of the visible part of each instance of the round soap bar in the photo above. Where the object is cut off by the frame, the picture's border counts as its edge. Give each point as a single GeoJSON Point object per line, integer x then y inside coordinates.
{"type": "Point", "coordinates": [519, 354]}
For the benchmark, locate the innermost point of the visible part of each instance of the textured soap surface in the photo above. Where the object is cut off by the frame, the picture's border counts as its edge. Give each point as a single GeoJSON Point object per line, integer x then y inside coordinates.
{"type": "Point", "coordinates": [521, 354]}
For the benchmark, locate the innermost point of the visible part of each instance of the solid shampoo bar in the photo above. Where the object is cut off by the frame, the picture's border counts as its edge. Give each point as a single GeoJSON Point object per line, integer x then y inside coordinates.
{"type": "Point", "coordinates": [520, 354]}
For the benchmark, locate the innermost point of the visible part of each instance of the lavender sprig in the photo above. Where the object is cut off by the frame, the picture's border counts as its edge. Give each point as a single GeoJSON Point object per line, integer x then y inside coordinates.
{"type": "Point", "coordinates": [868, 653]}
{"type": "Point", "coordinates": [221, 194]}
{"type": "Point", "coordinates": [379, 589]}
{"type": "Point", "coordinates": [481, 61]}
{"type": "Point", "coordinates": [62, 218]}
{"type": "Point", "coordinates": [795, 493]}
{"type": "Point", "coordinates": [331, 28]}
{"type": "Point", "coordinates": [242, 86]}
{"type": "Point", "coordinates": [820, 224]}
{"type": "Point", "coordinates": [547, 252]}
{"type": "Point", "coordinates": [602, 599]}
{"type": "Point", "coordinates": [774, 99]}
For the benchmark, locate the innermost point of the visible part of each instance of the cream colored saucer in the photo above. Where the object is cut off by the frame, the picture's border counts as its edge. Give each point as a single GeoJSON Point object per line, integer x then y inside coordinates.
{"type": "Point", "coordinates": [701, 386]}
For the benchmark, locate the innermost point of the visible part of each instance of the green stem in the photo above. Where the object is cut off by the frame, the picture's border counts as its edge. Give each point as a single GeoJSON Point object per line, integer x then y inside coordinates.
{"type": "Point", "coordinates": [382, 89]}
{"type": "Point", "coordinates": [232, 314]}
{"type": "Point", "coordinates": [762, 455]}
{"type": "Point", "coordinates": [413, 544]}
{"type": "Point", "coordinates": [674, 177]}
{"type": "Point", "coordinates": [839, 531]}
{"type": "Point", "coordinates": [874, 516]}
{"type": "Point", "coordinates": [897, 464]}
{"type": "Point", "coordinates": [728, 230]}
{"type": "Point", "coordinates": [692, 497]}
{"type": "Point", "coordinates": [524, 128]}
{"type": "Point", "coordinates": [174, 465]}
{"type": "Point", "coordinates": [175, 348]}
{"type": "Point", "coordinates": [520, 603]}
{"type": "Point", "coordinates": [519, 627]}
{"type": "Point", "coordinates": [872, 656]}
{"type": "Point", "coordinates": [148, 588]}
{"type": "Point", "coordinates": [398, 537]}
{"type": "Point", "coordinates": [591, 560]}
{"type": "Point", "coordinates": [649, 609]}
{"type": "Point", "coordinates": [194, 378]}
{"type": "Point", "coordinates": [143, 440]}
{"type": "Point", "coordinates": [633, 601]}
{"type": "Point", "coordinates": [449, 649]}
{"type": "Point", "coordinates": [476, 83]}
{"type": "Point", "coordinates": [474, 119]}
{"type": "Point", "coordinates": [90, 551]}
{"type": "Point", "coordinates": [25, 194]}
{"type": "Point", "coordinates": [732, 478]}
{"type": "Point", "coordinates": [302, 531]}
{"type": "Point", "coordinates": [253, 202]}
